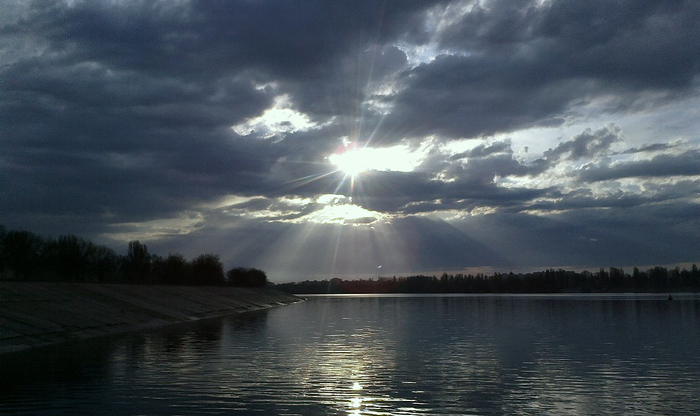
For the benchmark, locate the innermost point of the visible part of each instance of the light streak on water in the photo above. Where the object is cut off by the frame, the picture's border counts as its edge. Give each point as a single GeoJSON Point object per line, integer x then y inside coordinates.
{"type": "Point", "coordinates": [396, 355]}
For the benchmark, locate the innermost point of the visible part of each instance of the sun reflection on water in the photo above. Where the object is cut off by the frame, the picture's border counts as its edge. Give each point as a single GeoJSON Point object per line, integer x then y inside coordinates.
{"type": "Point", "coordinates": [356, 402]}
{"type": "Point", "coordinates": [384, 356]}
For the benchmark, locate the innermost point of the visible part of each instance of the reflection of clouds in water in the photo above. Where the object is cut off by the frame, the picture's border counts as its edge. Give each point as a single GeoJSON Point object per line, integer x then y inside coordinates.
{"type": "Point", "coordinates": [344, 363]}
{"type": "Point", "coordinates": [518, 355]}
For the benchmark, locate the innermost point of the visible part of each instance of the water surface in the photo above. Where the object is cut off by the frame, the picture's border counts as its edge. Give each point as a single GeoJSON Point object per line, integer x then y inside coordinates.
{"type": "Point", "coordinates": [369, 355]}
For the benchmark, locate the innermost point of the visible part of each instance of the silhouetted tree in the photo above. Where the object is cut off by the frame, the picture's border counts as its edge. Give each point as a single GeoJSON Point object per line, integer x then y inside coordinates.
{"type": "Point", "coordinates": [21, 254]}
{"type": "Point", "coordinates": [694, 276]}
{"type": "Point", "coordinates": [547, 281]}
{"type": "Point", "coordinates": [103, 263]}
{"type": "Point", "coordinates": [3, 262]}
{"type": "Point", "coordinates": [244, 277]}
{"type": "Point", "coordinates": [207, 269]}
{"type": "Point", "coordinates": [138, 263]}
{"type": "Point", "coordinates": [69, 257]}
{"type": "Point", "coordinates": [617, 278]}
{"type": "Point", "coordinates": [172, 270]}
{"type": "Point", "coordinates": [659, 276]}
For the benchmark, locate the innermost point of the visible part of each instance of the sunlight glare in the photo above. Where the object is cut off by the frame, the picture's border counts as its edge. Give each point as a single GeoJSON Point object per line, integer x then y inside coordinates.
{"type": "Point", "coordinates": [354, 161]}
{"type": "Point", "coordinates": [345, 213]}
{"type": "Point", "coordinates": [351, 162]}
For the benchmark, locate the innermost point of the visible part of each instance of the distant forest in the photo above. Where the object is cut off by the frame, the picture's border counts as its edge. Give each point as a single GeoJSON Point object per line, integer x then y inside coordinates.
{"type": "Point", "coordinates": [657, 279]}
{"type": "Point", "coordinates": [25, 256]}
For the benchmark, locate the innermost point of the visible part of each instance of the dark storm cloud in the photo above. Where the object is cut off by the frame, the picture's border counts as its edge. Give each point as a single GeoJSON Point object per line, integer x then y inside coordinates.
{"type": "Point", "coordinates": [525, 63]}
{"type": "Point", "coordinates": [485, 150]}
{"type": "Point", "coordinates": [460, 96]}
{"type": "Point", "coordinates": [472, 187]}
{"type": "Point", "coordinates": [585, 199]}
{"type": "Point", "coordinates": [117, 114]}
{"type": "Point", "coordinates": [587, 144]}
{"type": "Point", "coordinates": [135, 101]}
{"type": "Point", "coordinates": [592, 238]}
{"type": "Point", "coordinates": [685, 164]}
{"type": "Point", "coordinates": [472, 177]}
{"type": "Point", "coordinates": [651, 147]}
{"type": "Point", "coordinates": [274, 209]}
{"type": "Point", "coordinates": [282, 41]}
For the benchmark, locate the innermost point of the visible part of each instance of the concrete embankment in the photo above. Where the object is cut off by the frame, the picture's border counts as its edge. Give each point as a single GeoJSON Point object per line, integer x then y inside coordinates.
{"type": "Point", "coordinates": [34, 314]}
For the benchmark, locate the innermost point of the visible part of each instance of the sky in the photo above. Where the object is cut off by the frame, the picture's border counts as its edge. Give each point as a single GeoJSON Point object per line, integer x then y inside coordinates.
{"type": "Point", "coordinates": [317, 139]}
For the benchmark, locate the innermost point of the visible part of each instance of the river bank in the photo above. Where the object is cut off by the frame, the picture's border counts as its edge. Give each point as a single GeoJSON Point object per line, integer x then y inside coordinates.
{"type": "Point", "coordinates": [34, 314]}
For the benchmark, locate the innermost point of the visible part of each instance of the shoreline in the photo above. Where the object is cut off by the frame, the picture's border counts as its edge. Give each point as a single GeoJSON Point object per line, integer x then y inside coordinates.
{"type": "Point", "coordinates": [37, 314]}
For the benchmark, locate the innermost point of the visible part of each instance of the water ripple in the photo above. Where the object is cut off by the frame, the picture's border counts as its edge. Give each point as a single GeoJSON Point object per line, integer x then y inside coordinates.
{"type": "Point", "coordinates": [381, 356]}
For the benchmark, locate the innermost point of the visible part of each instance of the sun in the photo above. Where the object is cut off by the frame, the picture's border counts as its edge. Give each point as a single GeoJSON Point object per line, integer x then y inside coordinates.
{"type": "Point", "coordinates": [352, 162]}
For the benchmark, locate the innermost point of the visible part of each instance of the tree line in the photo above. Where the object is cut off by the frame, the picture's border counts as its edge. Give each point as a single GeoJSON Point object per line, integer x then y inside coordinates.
{"type": "Point", "coordinates": [613, 280]}
{"type": "Point", "coordinates": [26, 256]}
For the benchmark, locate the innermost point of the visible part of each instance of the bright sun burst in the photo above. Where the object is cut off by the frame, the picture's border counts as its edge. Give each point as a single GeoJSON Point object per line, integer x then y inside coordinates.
{"type": "Point", "coordinates": [354, 161]}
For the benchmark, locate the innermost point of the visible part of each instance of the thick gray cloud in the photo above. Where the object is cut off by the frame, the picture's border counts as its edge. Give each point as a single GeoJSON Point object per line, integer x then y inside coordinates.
{"type": "Point", "coordinates": [528, 63]}
{"type": "Point", "coordinates": [122, 120]}
{"type": "Point", "coordinates": [650, 147]}
{"type": "Point", "coordinates": [686, 164]}
{"type": "Point", "coordinates": [587, 144]}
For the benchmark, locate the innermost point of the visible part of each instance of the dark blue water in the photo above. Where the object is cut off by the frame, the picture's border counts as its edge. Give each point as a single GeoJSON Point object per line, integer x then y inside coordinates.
{"type": "Point", "coordinates": [481, 355]}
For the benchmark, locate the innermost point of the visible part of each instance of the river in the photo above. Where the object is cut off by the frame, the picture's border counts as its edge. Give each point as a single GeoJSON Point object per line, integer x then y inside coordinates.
{"type": "Point", "coordinates": [383, 355]}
